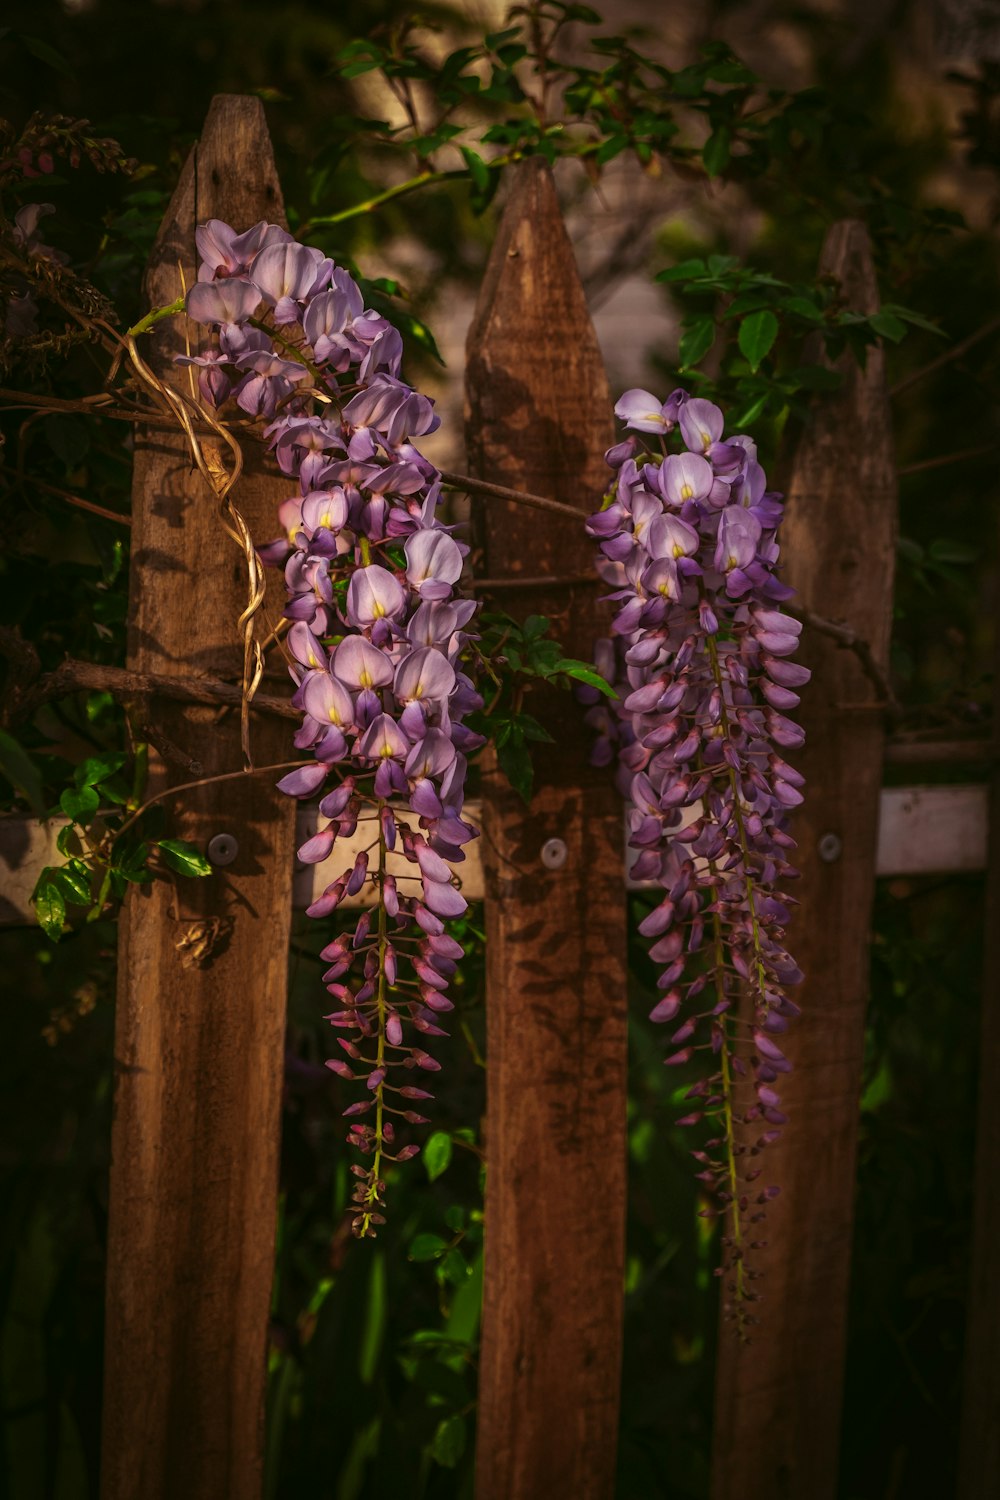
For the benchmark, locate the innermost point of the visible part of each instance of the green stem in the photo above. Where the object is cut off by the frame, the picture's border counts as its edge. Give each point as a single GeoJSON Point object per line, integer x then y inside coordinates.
{"type": "Point", "coordinates": [423, 179]}
{"type": "Point", "coordinates": [372, 1201]}
{"type": "Point", "coordinates": [156, 315]}
{"type": "Point", "coordinates": [386, 196]}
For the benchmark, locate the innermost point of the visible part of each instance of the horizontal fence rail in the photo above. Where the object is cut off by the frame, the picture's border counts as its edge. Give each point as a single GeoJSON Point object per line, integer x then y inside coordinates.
{"type": "Point", "coordinates": [922, 830]}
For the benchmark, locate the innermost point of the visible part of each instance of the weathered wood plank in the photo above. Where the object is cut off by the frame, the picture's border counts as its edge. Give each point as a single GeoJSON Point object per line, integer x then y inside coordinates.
{"type": "Point", "coordinates": [778, 1400]}
{"type": "Point", "coordinates": [979, 1444]}
{"type": "Point", "coordinates": [198, 1050]}
{"type": "Point", "coordinates": [539, 418]}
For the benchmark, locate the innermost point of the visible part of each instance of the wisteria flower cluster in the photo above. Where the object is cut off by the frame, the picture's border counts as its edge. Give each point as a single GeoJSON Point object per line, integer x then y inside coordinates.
{"type": "Point", "coordinates": [700, 655]}
{"type": "Point", "coordinates": [377, 644]}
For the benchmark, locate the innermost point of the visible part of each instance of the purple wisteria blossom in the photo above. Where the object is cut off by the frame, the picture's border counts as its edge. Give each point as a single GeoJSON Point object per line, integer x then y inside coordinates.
{"type": "Point", "coordinates": [376, 647]}
{"type": "Point", "coordinates": [699, 655]}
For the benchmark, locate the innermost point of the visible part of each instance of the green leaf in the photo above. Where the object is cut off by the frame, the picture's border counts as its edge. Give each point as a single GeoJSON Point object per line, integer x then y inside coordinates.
{"type": "Point", "coordinates": [98, 768]}
{"type": "Point", "coordinates": [134, 869]}
{"type": "Point", "coordinates": [437, 1154]}
{"type": "Point", "coordinates": [751, 412]}
{"type": "Point", "coordinates": [610, 148]}
{"type": "Point", "coordinates": [721, 265]}
{"type": "Point", "coordinates": [531, 730]}
{"type": "Point", "coordinates": [67, 839]}
{"type": "Point", "coordinates": [716, 151]}
{"type": "Point", "coordinates": [888, 326]}
{"type": "Point", "coordinates": [467, 1305]}
{"type": "Point", "coordinates": [80, 805]}
{"type": "Point", "coordinates": [688, 270]}
{"type": "Point", "coordinates": [515, 763]}
{"type": "Point", "coordinates": [375, 1321]}
{"type": "Point", "coordinates": [747, 302]}
{"type": "Point", "coordinates": [580, 672]}
{"type": "Point", "coordinates": [803, 307]}
{"type": "Point", "coordinates": [116, 789]}
{"type": "Point", "coordinates": [478, 170]}
{"type": "Point", "coordinates": [184, 858]}
{"type": "Point", "coordinates": [917, 319]}
{"type": "Point", "coordinates": [696, 341]}
{"type": "Point", "coordinates": [453, 1267]}
{"type": "Point", "coordinates": [757, 334]}
{"type": "Point", "coordinates": [72, 883]}
{"type": "Point", "coordinates": [945, 550]}
{"type": "Point", "coordinates": [50, 909]}
{"type": "Point", "coordinates": [427, 1247]}
{"type": "Point", "coordinates": [449, 1442]}
{"type": "Point", "coordinates": [22, 773]}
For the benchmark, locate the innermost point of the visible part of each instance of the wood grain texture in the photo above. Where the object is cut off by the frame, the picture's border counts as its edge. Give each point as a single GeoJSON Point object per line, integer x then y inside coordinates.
{"type": "Point", "coordinates": [539, 418]}
{"type": "Point", "coordinates": [198, 1050]}
{"type": "Point", "coordinates": [778, 1400]}
{"type": "Point", "coordinates": [979, 1443]}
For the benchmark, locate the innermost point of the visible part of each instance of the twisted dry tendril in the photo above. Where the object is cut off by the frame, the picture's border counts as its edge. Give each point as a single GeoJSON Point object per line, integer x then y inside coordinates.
{"type": "Point", "coordinates": [699, 653]}
{"type": "Point", "coordinates": [376, 642]}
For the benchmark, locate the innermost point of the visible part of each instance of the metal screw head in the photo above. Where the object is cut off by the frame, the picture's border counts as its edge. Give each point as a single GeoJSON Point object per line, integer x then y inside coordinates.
{"type": "Point", "coordinates": [222, 849]}
{"type": "Point", "coordinates": [554, 853]}
{"type": "Point", "coordinates": [829, 848]}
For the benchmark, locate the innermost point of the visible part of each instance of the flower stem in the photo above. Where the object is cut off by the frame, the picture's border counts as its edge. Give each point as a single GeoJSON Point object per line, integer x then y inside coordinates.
{"type": "Point", "coordinates": [154, 316]}
{"type": "Point", "coordinates": [372, 1201]}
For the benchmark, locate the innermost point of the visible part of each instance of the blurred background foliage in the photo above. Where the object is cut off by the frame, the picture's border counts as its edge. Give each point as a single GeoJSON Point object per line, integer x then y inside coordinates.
{"type": "Point", "coordinates": [373, 1349]}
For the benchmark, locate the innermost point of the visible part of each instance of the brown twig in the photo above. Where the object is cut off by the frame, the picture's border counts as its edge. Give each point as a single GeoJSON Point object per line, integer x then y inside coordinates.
{"type": "Point", "coordinates": [570, 580]}
{"type": "Point", "coordinates": [72, 676]}
{"type": "Point", "coordinates": [102, 405]}
{"type": "Point", "coordinates": [68, 496]}
{"type": "Point", "coordinates": [947, 458]}
{"type": "Point", "coordinates": [187, 786]}
{"type": "Point", "coordinates": [470, 486]}
{"type": "Point", "coordinates": [955, 352]}
{"type": "Point", "coordinates": [849, 639]}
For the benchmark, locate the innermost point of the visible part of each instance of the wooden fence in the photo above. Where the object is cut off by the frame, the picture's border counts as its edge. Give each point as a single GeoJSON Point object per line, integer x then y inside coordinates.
{"type": "Point", "coordinates": [199, 1046]}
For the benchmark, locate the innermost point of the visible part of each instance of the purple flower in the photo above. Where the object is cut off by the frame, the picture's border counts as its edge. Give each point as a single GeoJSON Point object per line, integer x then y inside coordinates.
{"type": "Point", "coordinates": [223, 252]}
{"type": "Point", "coordinates": [226, 301]}
{"type": "Point", "coordinates": [641, 411]}
{"type": "Point", "coordinates": [392, 409]}
{"type": "Point", "coordinates": [286, 274]}
{"type": "Point", "coordinates": [359, 665]}
{"type": "Point", "coordinates": [700, 656]}
{"type": "Point", "coordinates": [376, 652]}
{"type": "Point", "coordinates": [433, 563]}
{"type": "Point", "coordinates": [701, 424]}
{"type": "Point", "coordinates": [684, 477]}
{"type": "Point", "coordinates": [424, 676]}
{"type": "Point", "coordinates": [373, 594]}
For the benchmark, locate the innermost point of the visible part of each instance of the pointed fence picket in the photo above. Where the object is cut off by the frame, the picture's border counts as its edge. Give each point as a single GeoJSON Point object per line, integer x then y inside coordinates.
{"type": "Point", "coordinates": [539, 418]}
{"type": "Point", "coordinates": [202, 968]}
{"type": "Point", "coordinates": [778, 1398]}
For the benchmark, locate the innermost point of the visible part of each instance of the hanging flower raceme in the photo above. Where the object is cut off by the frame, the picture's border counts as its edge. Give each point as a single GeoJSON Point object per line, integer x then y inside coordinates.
{"type": "Point", "coordinates": [377, 643]}
{"type": "Point", "coordinates": [700, 656]}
